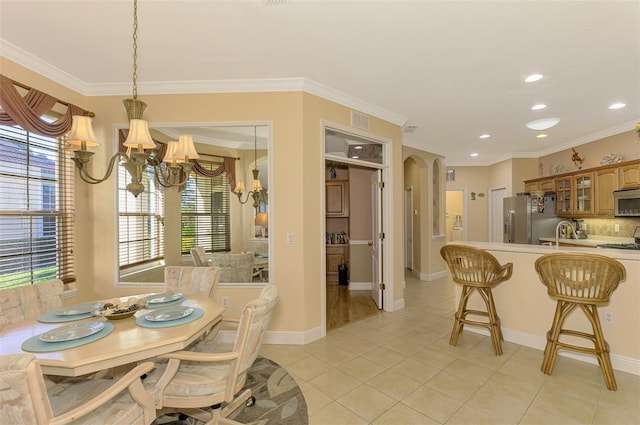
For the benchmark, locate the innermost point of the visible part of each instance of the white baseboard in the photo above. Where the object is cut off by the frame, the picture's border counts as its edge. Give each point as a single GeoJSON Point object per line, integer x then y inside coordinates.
{"type": "Point", "coordinates": [618, 362]}
{"type": "Point", "coordinates": [397, 305]}
{"type": "Point", "coordinates": [433, 276]}
{"type": "Point", "coordinates": [360, 286]}
{"type": "Point", "coordinates": [283, 338]}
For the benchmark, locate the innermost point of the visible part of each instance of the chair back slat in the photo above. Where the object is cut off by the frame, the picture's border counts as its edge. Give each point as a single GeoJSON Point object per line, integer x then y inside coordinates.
{"type": "Point", "coordinates": [473, 266]}
{"type": "Point", "coordinates": [580, 277]}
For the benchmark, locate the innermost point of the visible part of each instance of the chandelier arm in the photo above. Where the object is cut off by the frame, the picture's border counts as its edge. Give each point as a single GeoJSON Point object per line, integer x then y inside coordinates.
{"type": "Point", "coordinates": [86, 177]}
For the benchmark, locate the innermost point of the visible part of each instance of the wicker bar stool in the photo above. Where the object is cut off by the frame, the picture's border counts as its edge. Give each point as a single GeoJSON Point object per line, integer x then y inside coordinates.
{"type": "Point", "coordinates": [476, 270]}
{"type": "Point", "coordinates": [579, 280]}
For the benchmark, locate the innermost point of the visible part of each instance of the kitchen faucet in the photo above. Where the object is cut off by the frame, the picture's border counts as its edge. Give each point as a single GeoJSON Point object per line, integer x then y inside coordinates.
{"type": "Point", "coordinates": [565, 223]}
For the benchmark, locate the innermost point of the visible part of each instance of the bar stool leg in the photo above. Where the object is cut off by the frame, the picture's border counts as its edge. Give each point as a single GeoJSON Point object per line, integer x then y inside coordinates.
{"type": "Point", "coordinates": [494, 321]}
{"type": "Point", "coordinates": [458, 324]}
{"type": "Point", "coordinates": [563, 309]}
{"type": "Point", "coordinates": [601, 347]}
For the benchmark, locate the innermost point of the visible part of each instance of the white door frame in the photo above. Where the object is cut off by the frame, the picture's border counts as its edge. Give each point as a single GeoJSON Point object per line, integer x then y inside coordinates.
{"type": "Point", "coordinates": [387, 209]}
{"type": "Point", "coordinates": [492, 209]}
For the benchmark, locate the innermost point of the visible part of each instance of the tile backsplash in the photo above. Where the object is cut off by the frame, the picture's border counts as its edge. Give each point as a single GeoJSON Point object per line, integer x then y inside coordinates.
{"type": "Point", "coordinates": [606, 226]}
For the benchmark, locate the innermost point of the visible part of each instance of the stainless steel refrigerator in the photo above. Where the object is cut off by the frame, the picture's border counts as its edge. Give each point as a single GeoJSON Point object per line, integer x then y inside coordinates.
{"type": "Point", "coordinates": [528, 218]}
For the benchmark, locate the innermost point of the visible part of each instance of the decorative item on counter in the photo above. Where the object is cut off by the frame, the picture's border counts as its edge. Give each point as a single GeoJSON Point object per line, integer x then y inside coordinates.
{"type": "Point", "coordinates": [332, 173]}
{"type": "Point", "coordinates": [577, 159]}
{"type": "Point", "coordinates": [116, 309]}
{"type": "Point", "coordinates": [611, 159]}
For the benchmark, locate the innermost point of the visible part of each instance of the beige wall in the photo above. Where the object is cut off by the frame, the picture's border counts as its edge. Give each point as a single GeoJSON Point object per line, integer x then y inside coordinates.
{"type": "Point", "coordinates": [475, 179]}
{"type": "Point", "coordinates": [298, 181]}
{"type": "Point", "coordinates": [592, 153]}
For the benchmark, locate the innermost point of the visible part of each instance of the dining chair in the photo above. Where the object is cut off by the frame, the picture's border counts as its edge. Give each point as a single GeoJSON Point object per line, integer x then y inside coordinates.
{"type": "Point", "coordinates": [192, 280]}
{"type": "Point", "coordinates": [28, 302]}
{"type": "Point", "coordinates": [477, 271]}
{"type": "Point", "coordinates": [585, 281]}
{"type": "Point", "coordinates": [25, 399]}
{"type": "Point", "coordinates": [199, 256]}
{"type": "Point", "coordinates": [234, 267]}
{"type": "Point", "coordinates": [197, 382]}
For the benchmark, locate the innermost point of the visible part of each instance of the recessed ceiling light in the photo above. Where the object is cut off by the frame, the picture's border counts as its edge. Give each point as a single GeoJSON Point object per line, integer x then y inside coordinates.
{"type": "Point", "coordinates": [541, 136]}
{"type": "Point", "coordinates": [485, 136]}
{"type": "Point", "coordinates": [355, 157]}
{"type": "Point", "coordinates": [474, 154]}
{"type": "Point", "coordinates": [533, 77]}
{"type": "Point", "coordinates": [538, 106]}
{"type": "Point", "coordinates": [543, 124]}
{"type": "Point", "coordinates": [357, 147]}
{"type": "Point", "coordinates": [618, 105]}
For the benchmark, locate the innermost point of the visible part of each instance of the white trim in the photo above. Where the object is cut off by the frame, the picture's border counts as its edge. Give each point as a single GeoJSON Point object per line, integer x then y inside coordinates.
{"type": "Point", "coordinates": [398, 305]}
{"type": "Point", "coordinates": [360, 286]}
{"type": "Point", "coordinates": [618, 362]}
{"type": "Point", "coordinates": [431, 276]}
{"type": "Point", "coordinates": [281, 337]}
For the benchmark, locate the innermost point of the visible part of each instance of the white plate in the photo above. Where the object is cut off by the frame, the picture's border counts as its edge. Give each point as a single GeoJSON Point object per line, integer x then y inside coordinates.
{"type": "Point", "coordinates": [78, 309]}
{"type": "Point", "coordinates": [171, 313]}
{"type": "Point", "coordinates": [164, 298]}
{"type": "Point", "coordinates": [71, 332]}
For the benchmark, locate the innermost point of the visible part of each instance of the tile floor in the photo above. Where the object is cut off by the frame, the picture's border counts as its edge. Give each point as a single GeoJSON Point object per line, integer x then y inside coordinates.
{"type": "Point", "coordinates": [398, 368]}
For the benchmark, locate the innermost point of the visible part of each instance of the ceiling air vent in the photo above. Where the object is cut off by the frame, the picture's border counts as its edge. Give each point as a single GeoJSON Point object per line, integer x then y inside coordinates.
{"type": "Point", "coordinates": [359, 120]}
{"type": "Point", "coordinates": [409, 128]}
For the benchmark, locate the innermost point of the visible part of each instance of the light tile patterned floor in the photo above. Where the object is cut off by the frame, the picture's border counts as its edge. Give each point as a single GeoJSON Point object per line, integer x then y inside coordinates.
{"type": "Point", "coordinates": [399, 369]}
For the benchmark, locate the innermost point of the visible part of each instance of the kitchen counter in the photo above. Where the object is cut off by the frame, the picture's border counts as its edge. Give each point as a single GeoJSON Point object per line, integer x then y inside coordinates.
{"type": "Point", "coordinates": [526, 311]}
{"type": "Point", "coordinates": [590, 241]}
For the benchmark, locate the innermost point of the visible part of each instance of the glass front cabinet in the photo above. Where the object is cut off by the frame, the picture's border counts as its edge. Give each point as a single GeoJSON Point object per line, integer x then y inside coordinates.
{"type": "Point", "coordinates": [575, 195]}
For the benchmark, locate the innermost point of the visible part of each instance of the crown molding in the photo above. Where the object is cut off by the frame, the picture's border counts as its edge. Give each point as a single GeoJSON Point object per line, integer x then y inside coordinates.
{"type": "Point", "coordinates": [35, 64]}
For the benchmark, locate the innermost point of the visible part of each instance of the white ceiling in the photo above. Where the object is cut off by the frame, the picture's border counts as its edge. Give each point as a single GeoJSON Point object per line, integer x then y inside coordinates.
{"type": "Point", "coordinates": [452, 68]}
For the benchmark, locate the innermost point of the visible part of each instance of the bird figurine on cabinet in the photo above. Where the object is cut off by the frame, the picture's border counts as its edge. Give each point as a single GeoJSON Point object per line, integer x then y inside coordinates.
{"type": "Point", "coordinates": [577, 159]}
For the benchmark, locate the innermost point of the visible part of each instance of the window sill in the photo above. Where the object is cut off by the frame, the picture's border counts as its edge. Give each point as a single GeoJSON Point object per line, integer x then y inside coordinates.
{"type": "Point", "coordinates": [136, 275]}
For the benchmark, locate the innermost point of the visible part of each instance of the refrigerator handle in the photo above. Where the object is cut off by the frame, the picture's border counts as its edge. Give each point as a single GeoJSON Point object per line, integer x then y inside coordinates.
{"type": "Point", "coordinates": [508, 226]}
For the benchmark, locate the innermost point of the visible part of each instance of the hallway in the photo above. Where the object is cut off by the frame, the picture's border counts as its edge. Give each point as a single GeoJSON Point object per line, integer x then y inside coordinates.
{"type": "Point", "coordinates": [345, 306]}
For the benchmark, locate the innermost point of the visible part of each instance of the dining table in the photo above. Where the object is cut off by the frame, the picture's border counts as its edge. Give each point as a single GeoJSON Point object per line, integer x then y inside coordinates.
{"type": "Point", "coordinates": [120, 343]}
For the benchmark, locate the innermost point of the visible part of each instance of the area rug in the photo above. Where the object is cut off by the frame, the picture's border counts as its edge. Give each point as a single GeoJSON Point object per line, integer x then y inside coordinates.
{"type": "Point", "coordinates": [279, 400]}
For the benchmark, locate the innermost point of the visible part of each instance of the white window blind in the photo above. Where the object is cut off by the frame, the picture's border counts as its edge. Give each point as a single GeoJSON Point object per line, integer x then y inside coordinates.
{"type": "Point", "coordinates": [37, 211]}
{"type": "Point", "coordinates": [206, 218]}
{"type": "Point", "coordinates": [140, 221]}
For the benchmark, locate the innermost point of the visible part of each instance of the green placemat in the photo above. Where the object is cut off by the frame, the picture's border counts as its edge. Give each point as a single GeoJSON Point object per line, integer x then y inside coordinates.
{"type": "Point", "coordinates": [52, 317]}
{"type": "Point", "coordinates": [34, 344]}
{"type": "Point", "coordinates": [197, 313]}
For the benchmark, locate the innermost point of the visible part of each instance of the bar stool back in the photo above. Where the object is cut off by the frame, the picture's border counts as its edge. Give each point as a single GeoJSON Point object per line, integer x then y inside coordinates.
{"type": "Point", "coordinates": [476, 270]}
{"type": "Point", "coordinates": [585, 281]}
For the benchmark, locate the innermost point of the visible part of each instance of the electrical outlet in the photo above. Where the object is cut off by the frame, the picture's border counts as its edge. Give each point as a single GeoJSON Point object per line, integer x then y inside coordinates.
{"type": "Point", "coordinates": [609, 317]}
{"type": "Point", "coordinates": [616, 228]}
{"type": "Point", "coordinates": [225, 302]}
{"type": "Point", "coordinates": [291, 238]}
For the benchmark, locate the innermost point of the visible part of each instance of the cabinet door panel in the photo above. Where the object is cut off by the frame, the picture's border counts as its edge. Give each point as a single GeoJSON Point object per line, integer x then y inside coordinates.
{"type": "Point", "coordinates": [337, 196]}
{"type": "Point", "coordinates": [606, 183]}
{"type": "Point", "coordinates": [629, 176]}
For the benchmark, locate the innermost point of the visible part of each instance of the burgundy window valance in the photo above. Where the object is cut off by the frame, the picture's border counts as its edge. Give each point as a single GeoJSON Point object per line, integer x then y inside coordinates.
{"type": "Point", "coordinates": [27, 111]}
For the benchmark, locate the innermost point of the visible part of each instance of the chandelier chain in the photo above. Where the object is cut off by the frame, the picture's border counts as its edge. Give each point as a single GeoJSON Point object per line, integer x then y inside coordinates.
{"type": "Point", "coordinates": [135, 49]}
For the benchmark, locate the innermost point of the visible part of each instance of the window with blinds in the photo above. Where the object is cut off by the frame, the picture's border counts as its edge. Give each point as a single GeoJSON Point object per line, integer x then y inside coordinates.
{"type": "Point", "coordinates": [140, 221]}
{"type": "Point", "coordinates": [37, 211]}
{"type": "Point", "coordinates": [206, 218]}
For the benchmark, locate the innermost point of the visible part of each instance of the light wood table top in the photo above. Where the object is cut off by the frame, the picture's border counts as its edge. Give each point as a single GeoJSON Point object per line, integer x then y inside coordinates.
{"type": "Point", "coordinates": [128, 343]}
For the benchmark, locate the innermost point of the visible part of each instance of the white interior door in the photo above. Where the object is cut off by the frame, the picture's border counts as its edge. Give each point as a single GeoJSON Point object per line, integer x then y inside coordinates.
{"type": "Point", "coordinates": [496, 221]}
{"type": "Point", "coordinates": [376, 242]}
